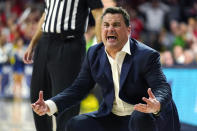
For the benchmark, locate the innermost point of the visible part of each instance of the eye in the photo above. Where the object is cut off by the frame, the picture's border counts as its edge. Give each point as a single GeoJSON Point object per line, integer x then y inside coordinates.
{"type": "Point", "coordinates": [116, 24]}
{"type": "Point", "coordinates": [105, 25]}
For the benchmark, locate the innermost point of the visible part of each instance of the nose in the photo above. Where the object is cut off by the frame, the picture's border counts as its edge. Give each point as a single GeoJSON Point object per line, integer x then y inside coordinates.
{"type": "Point", "coordinates": [111, 29]}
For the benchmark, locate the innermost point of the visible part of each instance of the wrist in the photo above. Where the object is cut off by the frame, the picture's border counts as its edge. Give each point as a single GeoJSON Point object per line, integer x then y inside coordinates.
{"type": "Point", "coordinates": [48, 109]}
{"type": "Point", "coordinates": [158, 110]}
{"type": "Point", "coordinates": [156, 113]}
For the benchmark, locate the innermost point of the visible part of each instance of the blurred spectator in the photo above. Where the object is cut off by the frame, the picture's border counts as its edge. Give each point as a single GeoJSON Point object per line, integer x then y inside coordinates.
{"type": "Point", "coordinates": [18, 21]}
{"type": "Point", "coordinates": [6, 48]}
{"type": "Point", "coordinates": [167, 59]}
{"type": "Point", "coordinates": [191, 36]}
{"type": "Point", "coordinates": [189, 58]}
{"type": "Point", "coordinates": [29, 25]}
{"type": "Point", "coordinates": [174, 12]}
{"type": "Point", "coordinates": [136, 24]}
{"type": "Point", "coordinates": [180, 36]}
{"type": "Point", "coordinates": [178, 54]}
{"type": "Point", "coordinates": [2, 19]}
{"type": "Point", "coordinates": [174, 27]}
{"type": "Point", "coordinates": [18, 67]}
{"type": "Point", "coordinates": [191, 11]}
{"type": "Point", "coordinates": [3, 59]}
{"type": "Point", "coordinates": [6, 66]}
{"type": "Point", "coordinates": [195, 52]}
{"type": "Point", "coordinates": [166, 39]}
{"type": "Point", "coordinates": [14, 33]}
{"type": "Point", "coordinates": [154, 12]}
{"type": "Point", "coordinates": [194, 49]}
{"type": "Point", "coordinates": [17, 7]}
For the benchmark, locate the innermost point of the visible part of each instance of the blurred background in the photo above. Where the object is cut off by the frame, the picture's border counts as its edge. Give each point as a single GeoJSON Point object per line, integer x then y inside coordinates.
{"type": "Point", "coordinates": [169, 26]}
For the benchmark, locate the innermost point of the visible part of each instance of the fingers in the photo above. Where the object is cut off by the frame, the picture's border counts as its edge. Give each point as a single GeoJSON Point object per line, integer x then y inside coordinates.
{"type": "Point", "coordinates": [141, 108]}
{"type": "Point", "coordinates": [41, 96]}
{"type": "Point", "coordinates": [152, 105]}
{"type": "Point", "coordinates": [148, 101]}
{"type": "Point", "coordinates": [39, 106]}
{"type": "Point", "coordinates": [39, 109]}
{"type": "Point", "coordinates": [33, 106]}
{"type": "Point", "coordinates": [27, 59]}
{"type": "Point", "coordinates": [150, 93]}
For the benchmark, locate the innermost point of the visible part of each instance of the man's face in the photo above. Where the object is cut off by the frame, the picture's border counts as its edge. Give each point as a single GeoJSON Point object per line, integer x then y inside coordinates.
{"type": "Point", "coordinates": [114, 32]}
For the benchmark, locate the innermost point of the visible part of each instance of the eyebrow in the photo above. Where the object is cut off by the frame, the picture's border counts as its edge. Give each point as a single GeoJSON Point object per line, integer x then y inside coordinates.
{"type": "Point", "coordinates": [116, 22]}
{"type": "Point", "coordinates": [105, 23]}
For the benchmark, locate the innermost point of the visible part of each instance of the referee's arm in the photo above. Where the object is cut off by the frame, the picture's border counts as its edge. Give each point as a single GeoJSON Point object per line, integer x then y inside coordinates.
{"type": "Point", "coordinates": [97, 13]}
{"type": "Point", "coordinates": [38, 32]}
{"type": "Point", "coordinates": [27, 58]}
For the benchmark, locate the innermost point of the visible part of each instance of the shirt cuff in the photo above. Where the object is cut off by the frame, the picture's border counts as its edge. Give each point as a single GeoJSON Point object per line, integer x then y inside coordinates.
{"type": "Point", "coordinates": [52, 107]}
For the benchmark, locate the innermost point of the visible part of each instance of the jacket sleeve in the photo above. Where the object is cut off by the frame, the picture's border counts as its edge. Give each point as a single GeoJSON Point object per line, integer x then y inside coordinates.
{"type": "Point", "coordinates": [156, 80]}
{"type": "Point", "coordinates": [78, 90]}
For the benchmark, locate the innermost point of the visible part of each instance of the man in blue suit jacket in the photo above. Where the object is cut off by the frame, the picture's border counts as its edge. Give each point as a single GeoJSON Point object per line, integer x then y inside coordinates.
{"type": "Point", "coordinates": [136, 96]}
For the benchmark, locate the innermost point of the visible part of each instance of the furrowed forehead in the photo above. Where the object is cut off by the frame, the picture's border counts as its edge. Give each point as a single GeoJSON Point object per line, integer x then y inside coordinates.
{"type": "Point", "coordinates": [118, 10]}
{"type": "Point", "coordinates": [112, 18]}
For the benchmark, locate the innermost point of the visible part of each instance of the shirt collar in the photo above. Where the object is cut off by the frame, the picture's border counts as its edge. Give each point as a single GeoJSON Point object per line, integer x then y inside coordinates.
{"type": "Point", "coordinates": [126, 48]}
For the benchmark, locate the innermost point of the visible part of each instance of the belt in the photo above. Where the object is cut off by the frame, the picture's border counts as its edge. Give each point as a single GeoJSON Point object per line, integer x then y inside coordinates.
{"type": "Point", "coordinates": [59, 35]}
{"type": "Point", "coordinates": [64, 35]}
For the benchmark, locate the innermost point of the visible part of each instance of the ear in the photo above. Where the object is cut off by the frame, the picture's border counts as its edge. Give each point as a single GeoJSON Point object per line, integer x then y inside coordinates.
{"type": "Point", "coordinates": [129, 30]}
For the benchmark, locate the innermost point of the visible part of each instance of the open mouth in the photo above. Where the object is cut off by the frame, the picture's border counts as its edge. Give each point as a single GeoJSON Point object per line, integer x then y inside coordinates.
{"type": "Point", "coordinates": [111, 37]}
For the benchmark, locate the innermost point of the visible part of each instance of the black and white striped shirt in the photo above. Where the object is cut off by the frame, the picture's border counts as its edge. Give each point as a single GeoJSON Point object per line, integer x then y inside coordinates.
{"type": "Point", "coordinates": [69, 16]}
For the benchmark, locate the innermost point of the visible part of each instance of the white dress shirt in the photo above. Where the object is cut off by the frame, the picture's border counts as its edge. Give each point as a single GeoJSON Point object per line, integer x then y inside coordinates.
{"type": "Point", "coordinates": [120, 107]}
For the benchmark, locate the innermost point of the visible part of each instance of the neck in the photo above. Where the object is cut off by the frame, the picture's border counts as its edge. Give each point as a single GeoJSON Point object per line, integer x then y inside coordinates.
{"type": "Point", "coordinates": [113, 52]}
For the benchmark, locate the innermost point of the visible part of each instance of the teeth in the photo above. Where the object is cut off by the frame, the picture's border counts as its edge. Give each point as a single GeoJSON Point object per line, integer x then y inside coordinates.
{"type": "Point", "coordinates": [111, 37]}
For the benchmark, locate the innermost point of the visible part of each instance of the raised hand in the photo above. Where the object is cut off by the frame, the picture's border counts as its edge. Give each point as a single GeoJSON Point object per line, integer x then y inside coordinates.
{"type": "Point", "coordinates": [152, 104]}
{"type": "Point", "coordinates": [39, 106]}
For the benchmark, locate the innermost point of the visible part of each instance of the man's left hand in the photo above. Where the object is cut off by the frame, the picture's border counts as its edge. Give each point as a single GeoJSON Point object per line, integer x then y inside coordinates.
{"type": "Point", "coordinates": [152, 104]}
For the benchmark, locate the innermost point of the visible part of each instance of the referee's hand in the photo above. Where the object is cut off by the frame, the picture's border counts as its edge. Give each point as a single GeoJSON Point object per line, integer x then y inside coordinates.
{"type": "Point", "coordinates": [39, 106]}
{"type": "Point", "coordinates": [28, 56]}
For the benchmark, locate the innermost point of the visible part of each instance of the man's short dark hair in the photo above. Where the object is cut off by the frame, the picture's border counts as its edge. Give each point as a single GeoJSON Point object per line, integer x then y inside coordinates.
{"type": "Point", "coordinates": [118, 10]}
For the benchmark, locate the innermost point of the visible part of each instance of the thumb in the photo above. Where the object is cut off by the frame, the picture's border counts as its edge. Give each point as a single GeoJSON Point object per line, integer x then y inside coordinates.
{"type": "Point", "coordinates": [150, 93]}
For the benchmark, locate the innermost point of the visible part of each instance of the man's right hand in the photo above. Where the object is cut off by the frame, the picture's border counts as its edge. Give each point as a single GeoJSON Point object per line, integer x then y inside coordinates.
{"type": "Point", "coordinates": [28, 56]}
{"type": "Point", "coordinates": [39, 106]}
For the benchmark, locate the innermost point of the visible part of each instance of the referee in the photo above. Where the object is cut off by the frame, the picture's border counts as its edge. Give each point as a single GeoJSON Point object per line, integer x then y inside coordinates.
{"type": "Point", "coordinates": [59, 45]}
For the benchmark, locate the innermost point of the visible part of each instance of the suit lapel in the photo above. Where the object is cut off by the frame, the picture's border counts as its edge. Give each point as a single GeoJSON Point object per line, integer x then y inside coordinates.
{"type": "Point", "coordinates": [127, 63]}
{"type": "Point", "coordinates": [105, 66]}
{"type": "Point", "coordinates": [125, 69]}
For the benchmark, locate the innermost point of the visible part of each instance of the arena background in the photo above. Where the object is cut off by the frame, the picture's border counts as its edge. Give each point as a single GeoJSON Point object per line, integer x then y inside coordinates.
{"type": "Point", "coordinates": [175, 39]}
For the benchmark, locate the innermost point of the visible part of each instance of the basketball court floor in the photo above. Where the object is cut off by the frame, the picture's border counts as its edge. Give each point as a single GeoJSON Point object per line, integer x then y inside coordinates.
{"type": "Point", "coordinates": [16, 115]}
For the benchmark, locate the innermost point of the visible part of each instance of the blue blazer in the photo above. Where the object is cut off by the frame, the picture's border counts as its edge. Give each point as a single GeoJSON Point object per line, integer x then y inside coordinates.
{"type": "Point", "coordinates": [140, 70]}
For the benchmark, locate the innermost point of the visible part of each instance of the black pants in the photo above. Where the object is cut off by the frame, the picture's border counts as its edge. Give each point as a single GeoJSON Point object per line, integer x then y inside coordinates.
{"type": "Point", "coordinates": [137, 121]}
{"type": "Point", "coordinates": [57, 62]}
